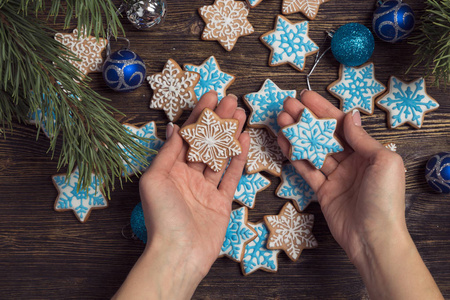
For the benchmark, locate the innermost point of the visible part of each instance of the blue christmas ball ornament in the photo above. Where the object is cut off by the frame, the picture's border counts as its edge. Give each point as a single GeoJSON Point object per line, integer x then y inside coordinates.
{"type": "Point", "coordinates": [438, 172]}
{"type": "Point", "coordinates": [137, 222]}
{"type": "Point", "coordinates": [124, 71]}
{"type": "Point", "coordinates": [393, 21]}
{"type": "Point", "coordinates": [352, 44]}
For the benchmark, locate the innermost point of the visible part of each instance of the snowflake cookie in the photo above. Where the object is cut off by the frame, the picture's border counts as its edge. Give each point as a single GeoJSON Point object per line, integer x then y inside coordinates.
{"type": "Point", "coordinates": [153, 144]}
{"type": "Point", "coordinates": [226, 21]}
{"type": "Point", "coordinates": [88, 49]}
{"type": "Point", "coordinates": [266, 104]}
{"type": "Point", "coordinates": [211, 78]}
{"type": "Point", "coordinates": [357, 88]}
{"type": "Point", "coordinates": [256, 255]}
{"type": "Point", "coordinates": [290, 231]}
{"type": "Point", "coordinates": [264, 153]}
{"type": "Point", "coordinates": [406, 102]}
{"type": "Point", "coordinates": [289, 43]}
{"type": "Point", "coordinates": [294, 187]}
{"type": "Point", "coordinates": [238, 234]}
{"type": "Point", "coordinates": [81, 202]}
{"type": "Point", "coordinates": [248, 186]}
{"type": "Point", "coordinates": [253, 3]}
{"type": "Point", "coordinates": [307, 7]}
{"type": "Point", "coordinates": [173, 90]}
{"type": "Point", "coordinates": [212, 140]}
{"type": "Point", "coordinates": [312, 139]}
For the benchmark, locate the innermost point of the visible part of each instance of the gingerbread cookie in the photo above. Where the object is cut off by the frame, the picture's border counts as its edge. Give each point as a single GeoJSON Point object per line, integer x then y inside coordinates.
{"type": "Point", "coordinates": [264, 153]}
{"type": "Point", "coordinates": [406, 102]}
{"type": "Point", "coordinates": [212, 140]}
{"type": "Point", "coordinates": [309, 8]}
{"type": "Point", "coordinates": [312, 139]}
{"type": "Point", "coordinates": [81, 202]}
{"type": "Point", "coordinates": [253, 3]}
{"type": "Point", "coordinates": [248, 186]}
{"type": "Point", "coordinates": [88, 49]}
{"type": "Point", "coordinates": [266, 105]}
{"type": "Point", "coordinates": [357, 88]}
{"type": "Point", "coordinates": [238, 234]}
{"type": "Point", "coordinates": [173, 90]}
{"type": "Point", "coordinates": [226, 21]}
{"type": "Point", "coordinates": [289, 43]}
{"type": "Point", "coordinates": [256, 255]}
{"type": "Point", "coordinates": [211, 78]}
{"type": "Point", "coordinates": [290, 231]}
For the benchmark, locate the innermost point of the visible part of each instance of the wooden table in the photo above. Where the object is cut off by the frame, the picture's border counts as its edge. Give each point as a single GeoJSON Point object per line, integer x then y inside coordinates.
{"type": "Point", "coordinates": [50, 255]}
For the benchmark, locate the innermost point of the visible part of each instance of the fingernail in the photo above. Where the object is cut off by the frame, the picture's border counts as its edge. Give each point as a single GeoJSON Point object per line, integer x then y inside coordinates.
{"type": "Point", "coordinates": [240, 108]}
{"type": "Point", "coordinates": [302, 92]}
{"type": "Point", "coordinates": [169, 130]}
{"type": "Point", "coordinates": [356, 117]}
{"type": "Point", "coordinates": [233, 96]}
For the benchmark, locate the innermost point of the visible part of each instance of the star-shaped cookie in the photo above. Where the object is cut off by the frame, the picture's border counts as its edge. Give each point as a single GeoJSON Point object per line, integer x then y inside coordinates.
{"type": "Point", "coordinates": [406, 102]}
{"type": "Point", "coordinates": [253, 3]}
{"type": "Point", "coordinates": [173, 90]}
{"type": "Point", "coordinates": [307, 7]}
{"type": "Point", "coordinates": [289, 43]}
{"type": "Point", "coordinates": [248, 186]}
{"type": "Point", "coordinates": [312, 139]}
{"type": "Point", "coordinates": [226, 21]}
{"type": "Point", "coordinates": [211, 140]}
{"type": "Point", "coordinates": [81, 202]}
{"type": "Point", "coordinates": [290, 231]}
{"type": "Point", "coordinates": [357, 88]}
{"type": "Point", "coordinates": [88, 49]}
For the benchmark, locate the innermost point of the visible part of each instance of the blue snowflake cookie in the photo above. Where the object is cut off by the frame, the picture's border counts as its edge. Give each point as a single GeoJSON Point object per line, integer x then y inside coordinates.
{"type": "Point", "coordinates": [253, 3]}
{"type": "Point", "coordinates": [406, 102]}
{"type": "Point", "coordinates": [289, 43]}
{"type": "Point", "coordinates": [82, 201]}
{"type": "Point", "coordinates": [295, 188]}
{"type": "Point", "coordinates": [312, 139]}
{"type": "Point", "coordinates": [266, 105]}
{"type": "Point", "coordinates": [357, 88]}
{"type": "Point", "coordinates": [248, 186]}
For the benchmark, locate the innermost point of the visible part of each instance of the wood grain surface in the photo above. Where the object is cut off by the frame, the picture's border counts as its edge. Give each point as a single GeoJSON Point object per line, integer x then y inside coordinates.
{"type": "Point", "coordinates": [50, 255]}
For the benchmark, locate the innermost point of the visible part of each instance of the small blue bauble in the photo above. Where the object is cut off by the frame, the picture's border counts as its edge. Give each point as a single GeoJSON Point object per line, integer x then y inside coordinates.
{"type": "Point", "coordinates": [438, 172]}
{"type": "Point", "coordinates": [352, 44]}
{"type": "Point", "coordinates": [137, 222]}
{"type": "Point", "coordinates": [124, 71]}
{"type": "Point", "coordinates": [393, 21]}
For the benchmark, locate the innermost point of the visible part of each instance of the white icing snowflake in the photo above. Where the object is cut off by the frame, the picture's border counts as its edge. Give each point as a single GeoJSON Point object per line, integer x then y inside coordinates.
{"type": "Point", "coordinates": [308, 7]}
{"type": "Point", "coordinates": [211, 140]}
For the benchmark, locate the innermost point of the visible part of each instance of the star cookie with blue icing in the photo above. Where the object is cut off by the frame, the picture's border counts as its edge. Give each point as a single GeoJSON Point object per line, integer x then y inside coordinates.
{"type": "Point", "coordinates": [249, 185]}
{"type": "Point", "coordinates": [289, 43]}
{"type": "Point", "coordinates": [309, 8]}
{"type": "Point", "coordinates": [295, 188]}
{"type": "Point", "coordinates": [253, 3]}
{"type": "Point", "coordinates": [211, 78]}
{"type": "Point", "coordinates": [312, 139]}
{"type": "Point", "coordinates": [256, 255]}
{"type": "Point", "coordinates": [81, 202]}
{"type": "Point", "coordinates": [357, 88]}
{"type": "Point", "coordinates": [406, 102]}
{"type": "Point", "coordinates": [238, 234]}
{"type": "Point", "coordinates": [266, 104]}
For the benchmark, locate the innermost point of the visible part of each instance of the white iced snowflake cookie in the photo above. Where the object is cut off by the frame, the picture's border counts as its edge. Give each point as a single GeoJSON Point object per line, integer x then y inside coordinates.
{"type": "Point", "coordinates": [309, 8]}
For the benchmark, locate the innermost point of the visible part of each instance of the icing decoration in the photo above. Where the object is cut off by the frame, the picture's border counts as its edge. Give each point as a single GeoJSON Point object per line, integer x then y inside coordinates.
{"type": "Point", "coordinates": [290, 231]}
{"type": "Point", "coordinates": [307, 7]}
{"type": "Point", "coordinates": [294, 187]}
{"type": "Point", "coordinates": [256, 255]}
{"type": "Point", "coordinates": [289, 43]}
{"type": "Point", "coordinates": [226, 21]}
{"type": "Point", "coordinates": [173, 90]}
{"type": "Point", "coordinates": [40, 118]}
{"type": "Point", "coordinates": [312, 139]}
{"type": "Point", "coordinates": [81, 202]}
{"type": "Point", "coordinates": [253, 3]}
{"type": "Point", "coordinates": [357, 88]}
{"type": "Point", "coordinates": [212, 140]}
{"type": "Point", "coordinates": [266, 104]}
{"type": "Point", "coordinates": [211, 78]}
{"type": "Point", "coordinates": [237, 236]}
{"type": "Point", "coordinates": [391, 146]}
{"type": "Point", "coordinates": [406, 102]}
{"type": "Point", "coordinates": [264, 153]}
{"type": "Point", "coordinates": [248, 186]}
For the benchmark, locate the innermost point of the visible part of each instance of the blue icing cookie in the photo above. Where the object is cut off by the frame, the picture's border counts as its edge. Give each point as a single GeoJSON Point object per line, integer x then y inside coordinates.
{"type": "Point", "coordinates": [294, 187]}
{"type": "Point", "coordinates": [248, 186]}
{"type": "Point", "coordinates": [253, 3]}
{"type": "Point", "coordinates": [312, 139]}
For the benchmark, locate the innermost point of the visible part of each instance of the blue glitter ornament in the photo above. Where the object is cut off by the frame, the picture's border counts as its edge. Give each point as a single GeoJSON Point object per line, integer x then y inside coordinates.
{"type": "Point", "coordinates": [137, 222]}
{"type": "Point", "coordinates": [124, 71]}
{"type": "Point", "coordinates": [393, 21]}
{"type": "Point", "coordinates": [437, 172]}
{"type": "Point", "coordinates": [352, 44]}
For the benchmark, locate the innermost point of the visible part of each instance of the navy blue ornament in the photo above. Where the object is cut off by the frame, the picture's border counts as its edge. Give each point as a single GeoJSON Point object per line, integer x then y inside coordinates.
{"type": "Point", "coordinates": [124, 71]}
{"type": "Point", "coordinates": [137, 222]}
{"type": "Point", "coordinates": [393, 21]}
{"type": "Point", "coordinates": [438, 172]}
{"type": "Point", "coordinates": [352, 44]}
